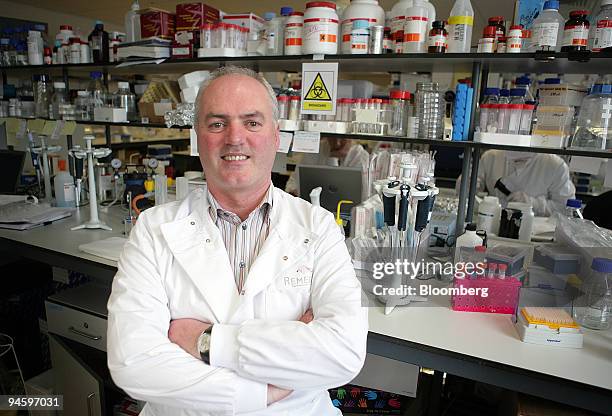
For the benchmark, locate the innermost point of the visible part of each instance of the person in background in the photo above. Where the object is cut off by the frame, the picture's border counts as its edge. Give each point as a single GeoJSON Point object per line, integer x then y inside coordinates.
{"type": "Point", "coordinates": [240, 299]}
{"type": "Point", "coordinates": [541, 180]}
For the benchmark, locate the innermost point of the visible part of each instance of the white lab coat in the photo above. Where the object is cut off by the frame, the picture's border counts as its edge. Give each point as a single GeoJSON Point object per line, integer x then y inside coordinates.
{"type": "Point", "coordinates": [175, 265]}
{"type": "Point", "coordinates": [543, 177]}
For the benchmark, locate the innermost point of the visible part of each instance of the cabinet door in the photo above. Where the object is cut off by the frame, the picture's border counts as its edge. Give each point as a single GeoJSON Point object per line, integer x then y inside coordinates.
{"type": "Point", "coordinates": [81, 388]}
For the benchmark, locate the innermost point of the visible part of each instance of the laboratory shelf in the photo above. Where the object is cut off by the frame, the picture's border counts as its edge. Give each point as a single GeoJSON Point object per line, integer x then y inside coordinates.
{"type": "Point", "coordinates": [561, 62]}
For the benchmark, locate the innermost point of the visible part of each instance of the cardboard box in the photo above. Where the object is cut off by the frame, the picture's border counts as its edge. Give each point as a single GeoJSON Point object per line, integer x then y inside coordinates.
{"type": "Point", "coordinates": [191, 16]}
{"type": "Point", "coordinates": [154, 112]}
{"type": "Point", "coordinates": [251, 21]}
{"type": "Point", "coordinates": [157, 23]}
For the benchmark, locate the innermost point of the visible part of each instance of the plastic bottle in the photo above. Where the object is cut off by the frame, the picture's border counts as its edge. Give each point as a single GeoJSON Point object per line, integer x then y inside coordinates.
{"type": "Point", "coordinates": [82, 106]}
{"type": "Point", "coordinates": [98, 42]}
{"type": "Point", "coordinates": [572, 208]}
{"type": "Point", "coordinates": [132, 22]}
{"type": "Point", "coordinates": [460, 24]}
{"type": "Point", "coordinates": [600, 36]}
{"type": "Point", "coordinates": [271, 34]}
{"type": "Point", "coordinates": [514, 41]}
{"type": "Point", "coordinates": [58, 102]}
{"type": "Point", "coordinates": [594, 127]}
{"type": "Point", "coordinates": [468, 239]}
{"type": "Point", "coordinates": [488, 110]}
{"type": "Point", "coordinates": [500, 29]}
{"type": "Point", "coordinates": [320, 34]}
{"type": "Point", "coordinates": [367, 10]}
{"type": "Point", "coordinates": [293, 33]}
{"type": "Point", "coordinates": [594, 307]}
{"type": "Point", "coordinates": [489, 214]}
{"type": "Point", "coordinates": [524, 83]}
{"type": "Point", "coordinates": [398, 113]}
{"type": "Point", "coordinates": [42, 95]}
{"type": "Point", "coordinates": [124, 99]}
{"type": "Point", "coordinates": [99, 93]}
{"type": "Point", "coordinates": [35, 48]}
{"type": "Point", "coordinates": [486, 44]}
{"type": "Point", "coordinates": [397, 20]}
{"type": "Point", "coordinates": [416, 25]}
{"type": "Point", "coordinates": [526, 220]}
{"type": "Point", "coordinates": [517, 100]}
{"type": "Point", "coordinates": [63, 185]}
{"type": "Point", "coordinates": [576, 32]}
{"type": "Point", "coordinates": [547, 28]}
{"type": "Point", "coordinates": [437, 41]}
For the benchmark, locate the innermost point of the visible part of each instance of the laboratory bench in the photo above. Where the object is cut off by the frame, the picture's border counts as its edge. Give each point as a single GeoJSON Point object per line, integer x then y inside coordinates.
{"type": "Point", "coordinates": [477, 346]}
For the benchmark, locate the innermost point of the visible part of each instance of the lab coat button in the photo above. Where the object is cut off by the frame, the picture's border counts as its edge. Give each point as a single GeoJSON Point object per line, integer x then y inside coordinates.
{"type": "Point", "coordinates": [208, 240]}
{"type": "Point", "coordinates": [192, 223]}
{"type": "Point", "coordinates": [285, 258]}
{"type": "Point", "coordinates": [242, 265]}
{"type": "Point", "coordinates": [244, 227]}
{"type": "Point", "coordinates": [306, 241]}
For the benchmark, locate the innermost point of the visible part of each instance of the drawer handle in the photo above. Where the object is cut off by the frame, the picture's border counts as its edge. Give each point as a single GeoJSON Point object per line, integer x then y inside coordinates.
{"type": "Point", "coordinates": [84, 334]}
{"type": "Point", "coordinates": [90, 397]}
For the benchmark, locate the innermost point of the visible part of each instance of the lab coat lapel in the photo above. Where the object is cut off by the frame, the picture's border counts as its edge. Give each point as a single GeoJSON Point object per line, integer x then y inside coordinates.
{"type": "Point", "coordinates": [197, 246]}
{"type": "Point", "coordinates": [286, 244]}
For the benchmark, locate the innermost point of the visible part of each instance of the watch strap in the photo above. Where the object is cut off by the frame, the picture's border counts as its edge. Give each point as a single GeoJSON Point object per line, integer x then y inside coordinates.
{"type": "Point", "coordinates": [205, 355]}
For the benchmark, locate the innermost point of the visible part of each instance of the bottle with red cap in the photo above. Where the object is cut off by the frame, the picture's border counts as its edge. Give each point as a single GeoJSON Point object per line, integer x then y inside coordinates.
{"type": "Point", "coordinates": [438, 38]}
{"type": "Point", "coordinates": [514, 40]}
{"type": "Point", "coordinates": [576, 32]}
{"type": "Point", "coordinates": [500, 30]}
{"type": "Point", "coordinates": [487, 43]}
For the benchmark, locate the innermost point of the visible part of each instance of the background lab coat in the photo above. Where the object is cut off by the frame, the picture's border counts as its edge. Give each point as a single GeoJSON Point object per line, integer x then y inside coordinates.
{"type": "Point", "coordinates": [175, 265]}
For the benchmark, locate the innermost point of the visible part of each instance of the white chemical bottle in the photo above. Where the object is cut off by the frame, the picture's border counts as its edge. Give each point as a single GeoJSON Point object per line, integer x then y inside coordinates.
{"type": "Point", "coordinates": [489, 214]}
{"type": "Point", "coordinates": [601, 29]}
{"type": "Point", "coordinates": [547, 29]}
{"type": "Point", "coordinates": [63, 185]}
{"type": "Point", "coordinates": [397, 20]}
{"type": "Point", "coordinates": [368, 10]}
{"type": "Point", "coordinates": [468, 239]}
{"type": "Point", "coordinates": [460, 25]}
{"type": "Point", "coordinates": [416, 27]}
{"type": "Point", "coordinates": [132, 22]}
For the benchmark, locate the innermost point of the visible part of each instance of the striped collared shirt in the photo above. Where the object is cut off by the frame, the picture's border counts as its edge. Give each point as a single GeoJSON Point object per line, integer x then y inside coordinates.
{"type": "Point", "coordinates": [242, 239]}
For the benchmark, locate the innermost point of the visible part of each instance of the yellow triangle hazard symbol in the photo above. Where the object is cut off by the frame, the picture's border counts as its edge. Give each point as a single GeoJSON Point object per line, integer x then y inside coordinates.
{"type": "Point", "coordinates": [318, 90]}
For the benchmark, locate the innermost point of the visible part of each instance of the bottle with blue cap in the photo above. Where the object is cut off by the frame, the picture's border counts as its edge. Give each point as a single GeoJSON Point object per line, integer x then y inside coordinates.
{"type": "Point", "coordinates": [547, 29]}
{"type": "Point", "coordinates": [594, 124]}
{"type": "Point", "coordinates": [572, 208]}
{"type": "Point", "coordinates": [593, 308]}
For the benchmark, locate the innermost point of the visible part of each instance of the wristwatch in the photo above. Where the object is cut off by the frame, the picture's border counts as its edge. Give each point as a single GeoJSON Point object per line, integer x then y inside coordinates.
{"type": "Point", "coordinates": [204, 345]}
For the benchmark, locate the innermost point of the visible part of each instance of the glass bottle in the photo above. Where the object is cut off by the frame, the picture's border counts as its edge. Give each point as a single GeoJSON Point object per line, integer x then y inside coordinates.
{"type": "Point", "coordinates": [98, 42]}
{"type": "Point", "coordinates": [59, 101]}
{"type": "Point", "coordinates": [42, 95]}
{"type": "Point", "coordinates": [124, 99]}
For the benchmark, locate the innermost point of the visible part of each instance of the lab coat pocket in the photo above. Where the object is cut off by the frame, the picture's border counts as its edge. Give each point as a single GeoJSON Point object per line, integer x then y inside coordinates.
{"type": "Point", "coordinates": [288, 296]}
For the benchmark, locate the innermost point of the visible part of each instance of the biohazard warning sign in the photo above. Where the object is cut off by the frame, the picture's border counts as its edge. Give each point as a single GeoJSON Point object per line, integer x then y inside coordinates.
{"type": "Point", "coordinates": [319, 85]}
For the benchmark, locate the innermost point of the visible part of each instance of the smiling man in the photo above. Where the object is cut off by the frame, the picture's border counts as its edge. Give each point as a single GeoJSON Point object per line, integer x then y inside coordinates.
{"type": "Point", "coordinates": [241, 299]}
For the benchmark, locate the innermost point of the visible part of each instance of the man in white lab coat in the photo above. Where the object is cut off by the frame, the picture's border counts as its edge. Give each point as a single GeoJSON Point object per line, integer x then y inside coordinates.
{"type": "Point", "coordinates": [541, 180]}
{"type": "Point", "coordinates": [240, 299]}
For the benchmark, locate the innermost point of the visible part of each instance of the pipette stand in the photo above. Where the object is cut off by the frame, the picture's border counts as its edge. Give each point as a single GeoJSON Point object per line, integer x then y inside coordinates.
{"type": "Point", "coordinates": [44, 152]}
{"type": "Point", "coordinates": [90, 153]}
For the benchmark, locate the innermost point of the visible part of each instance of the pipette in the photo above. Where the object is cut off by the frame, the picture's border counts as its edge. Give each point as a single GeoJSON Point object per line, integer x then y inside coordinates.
{"type": "Point", "coordinates": [34, 160]}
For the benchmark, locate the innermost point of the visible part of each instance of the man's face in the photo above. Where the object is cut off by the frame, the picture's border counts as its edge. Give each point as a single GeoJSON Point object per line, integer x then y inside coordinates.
{"type": "Point", "coordinates": [237, 135]}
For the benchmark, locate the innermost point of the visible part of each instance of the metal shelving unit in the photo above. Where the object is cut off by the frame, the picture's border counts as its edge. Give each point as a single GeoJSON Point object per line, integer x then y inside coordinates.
{"type": "Point", "coordinates": [477, 63]}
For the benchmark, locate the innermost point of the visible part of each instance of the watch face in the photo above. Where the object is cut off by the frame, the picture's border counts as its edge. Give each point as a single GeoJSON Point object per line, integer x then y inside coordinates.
{"type": "Point", "coordinates": [204, 342]}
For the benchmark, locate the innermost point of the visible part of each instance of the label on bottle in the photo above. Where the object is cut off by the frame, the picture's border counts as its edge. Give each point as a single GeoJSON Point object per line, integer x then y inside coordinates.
{"type": "Point", "coordinates": [69, 192]}
{"type": "Point", "coordinates": [347, 27]}
{"type": "Point", "coordinates": [461, 20]}
{"type": "Point", "coordinates": [603, 35]}
{"type": "Point", "coordinates": [575, 35]}
{"type": "Point", "coordinates": [501, 47]}
{"type": "Point", "coordinates": [436, 41]}
{"type": "Point", "coordinates": [486, 45]}
{"type": "Point", "coordinates": [96, 43]}
{"type": "Point", "coordinates": [397, 28]}
{"type": "Point", "coordinates": [415, 28]}
{"type": "Point", "coordinates": [293, 34]}
{"type": "Point", "coordinates": [545, 34]}
{"type": "Point", "coordinates": [359, 41]}
{"type": "Point", "coordinates": [514, 45]}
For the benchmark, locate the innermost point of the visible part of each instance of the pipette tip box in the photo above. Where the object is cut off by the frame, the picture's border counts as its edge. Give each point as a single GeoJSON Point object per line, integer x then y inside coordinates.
{"type": "Point", "coordinates": [536, 328]}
